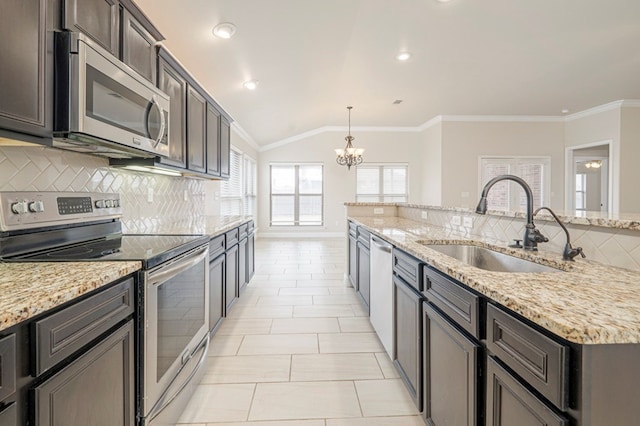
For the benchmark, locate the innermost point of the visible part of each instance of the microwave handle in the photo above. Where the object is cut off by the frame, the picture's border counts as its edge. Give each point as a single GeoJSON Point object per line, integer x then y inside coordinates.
{"type": "Point", "coordinates": [163, 124]}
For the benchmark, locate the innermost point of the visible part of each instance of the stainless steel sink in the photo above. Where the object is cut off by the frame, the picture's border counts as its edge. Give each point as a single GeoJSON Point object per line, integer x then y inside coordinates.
{"type": "Point", "coordinates": [488, 259]}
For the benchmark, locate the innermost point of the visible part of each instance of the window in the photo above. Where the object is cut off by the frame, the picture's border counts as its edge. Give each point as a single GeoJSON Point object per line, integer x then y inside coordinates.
{"type": "Point", "coordinates": [509, 196]}
{"type": "Point", "coordinates": [581, 191]}
{"type": "Point", "coordinates": [296, 194]}
{"type": "Point", "coordinates": [238, 194]}
{"type": "Point", "coordinates": [382, 183]}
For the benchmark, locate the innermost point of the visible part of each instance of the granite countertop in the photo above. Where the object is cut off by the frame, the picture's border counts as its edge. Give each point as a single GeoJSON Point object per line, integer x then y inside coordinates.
{"type": "Point", "coordinates": [204, 225]}
{"type": "Point", "coordinates": [605, 220]}
{"type": "Point", "coordinates": [588, 303]}
{"type": "Point", "coordinates": [28, 289]}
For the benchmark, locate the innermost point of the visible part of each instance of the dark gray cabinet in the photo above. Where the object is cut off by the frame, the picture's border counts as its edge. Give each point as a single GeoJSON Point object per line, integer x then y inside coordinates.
{"type": "Point", "coordinates": [196, 130]}
{"type": "Point", "coordinates": [509, 403]}
{"type": "Point", "coordinates": [213, 141]}
{"type": "Point", "coordinates": [408, 337]}
{"type": "Point", "coordinates": [172, 82]}
{"type": "Point", "coordinates": [138, 41]}
{"type": "Point", "coordinates": [353, 259]}
{"type": "Point", "coordinates": [26, 86]}
{"type": "Point", "coordinates": [99, 19]}
{"type": "Point", "coordinates": [216, 291]}
{"type": "Point", "coordinates": [231, 277]}
{"type": "Point", "coordinates": [9, 415]}
{"type": "Point", "coordinates": [225, 148]}
{"type": "Point", "coordinates": [451, 372]}
{"type": "Point", "coordinates": [242, 265]}
{"type": "Point", "coordinates": [364, 274]}
{"type": "Point", "coordinates": [7, 366]}
{"type": "Point", "coordinates": [96, 389]}
{"type": "Point", "coordinates": [251, 250]}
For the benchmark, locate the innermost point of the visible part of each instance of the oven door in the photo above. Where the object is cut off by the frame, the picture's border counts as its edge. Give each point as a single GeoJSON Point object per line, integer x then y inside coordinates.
{"type": "Point", "coordinates": [176, 318]}
{"type": "Point", "coordinates": [108, 106]}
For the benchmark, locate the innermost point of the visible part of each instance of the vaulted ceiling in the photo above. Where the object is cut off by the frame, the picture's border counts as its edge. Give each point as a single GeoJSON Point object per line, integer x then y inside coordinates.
{"type": "Point", "coordinates": [490, 57]}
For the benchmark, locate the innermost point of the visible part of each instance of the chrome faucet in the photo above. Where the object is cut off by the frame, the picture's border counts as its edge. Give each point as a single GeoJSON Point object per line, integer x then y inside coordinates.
{"type": "Point", "coordinates": [569, 252]}
{"type": "Point", "coordinates": [532, 235]}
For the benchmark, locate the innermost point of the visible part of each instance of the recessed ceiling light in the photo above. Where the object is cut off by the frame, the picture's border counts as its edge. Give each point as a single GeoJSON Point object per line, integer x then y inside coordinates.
{"type": "Point", "coordinates": [224, 30]}
{"type": "Point", "coordinates": [251, 84]}
{"type": "Point", "coordinates": [403, 56]}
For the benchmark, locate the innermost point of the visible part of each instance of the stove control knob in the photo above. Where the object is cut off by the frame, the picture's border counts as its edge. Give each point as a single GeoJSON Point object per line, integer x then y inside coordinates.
{"type": "Point", "coordinates": [100, 204]}
{"type": "Point", "coordinates": [36, 206]}
{"type": "Point", "coordinates": [20, 207]}
{"type": "Point", "coordinates": [108, 203]}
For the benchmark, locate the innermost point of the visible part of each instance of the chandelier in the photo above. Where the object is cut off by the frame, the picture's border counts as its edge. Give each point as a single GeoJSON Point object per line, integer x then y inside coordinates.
{"type": "Point", "coordinates": [594, 164]}
{"type": "Point", "coordinates": [349, 156]}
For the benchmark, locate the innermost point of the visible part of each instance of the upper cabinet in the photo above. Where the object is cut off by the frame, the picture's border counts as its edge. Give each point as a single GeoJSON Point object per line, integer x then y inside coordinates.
{"type": "Point", "coordinates": [196, 131]}
{"type": "Point", "coordinates": [213, 141]}
{"type": "Point", "coordinates": [172, 82]}
{"type": "Point", "coordinates": [26, 86]}
{"type": "Point", "coordinates": [99, 19]}
{"type": "Point", "coordinates": [225, 148]}
{"type": "Point", "coordinates": [138, 41]}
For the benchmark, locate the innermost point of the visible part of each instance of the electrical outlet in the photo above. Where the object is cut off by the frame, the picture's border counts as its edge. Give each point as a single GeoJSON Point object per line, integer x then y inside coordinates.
{"type": "Point", "coordinates": [467, 222]}
{"type": "Point", "coordinates": [149, 195]}
{"type": "Point", "coordinates": [424, 214]}
{"type": "Point", "coordinates": [455, 220]}
{"type": "Point", "coordinates": [378, 210]}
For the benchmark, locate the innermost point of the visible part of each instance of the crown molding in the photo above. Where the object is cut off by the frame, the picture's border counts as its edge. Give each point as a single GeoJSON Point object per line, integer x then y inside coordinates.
{"type": "Point", "coordinates": [245, 136]}
{"type": "Point", "coordinates": [503, 118]}
{"type": "Point", "coordinates": [623, 103]}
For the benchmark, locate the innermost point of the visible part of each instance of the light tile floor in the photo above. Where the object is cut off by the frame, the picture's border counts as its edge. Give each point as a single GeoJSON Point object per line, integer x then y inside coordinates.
{"type": "Point", "coordinates": [298, 350]}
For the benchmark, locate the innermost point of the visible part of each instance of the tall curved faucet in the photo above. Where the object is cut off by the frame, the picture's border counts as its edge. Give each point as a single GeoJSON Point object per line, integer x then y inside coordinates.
{"type": "Point", "coordinates": [532, 235]}
{"type": "Point", "coordinates": [569, 252]}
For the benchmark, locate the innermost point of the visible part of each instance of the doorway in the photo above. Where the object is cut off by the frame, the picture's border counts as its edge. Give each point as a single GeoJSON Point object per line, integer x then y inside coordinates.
{"type": "Point", "coordinates": [589, 178]}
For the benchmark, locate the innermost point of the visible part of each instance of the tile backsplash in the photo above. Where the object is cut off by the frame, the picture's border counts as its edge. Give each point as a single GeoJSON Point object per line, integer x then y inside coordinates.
{"type": "Point", "coordinates": [175, 199]}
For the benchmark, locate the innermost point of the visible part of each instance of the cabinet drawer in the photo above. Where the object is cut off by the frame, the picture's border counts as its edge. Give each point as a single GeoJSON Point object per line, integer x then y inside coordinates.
{"type": "Point", "coordinates": [539, 360]}
{"type": "Point", "coordinates": [232, 237]}
{"type": "Point", "coordinates": [251, 226]}
{"type": "Point", "coordinates": [216, 246]}
{"type": "Point", "coordinates": [353, 229]}
{"type": "Point", "coordinates": [243, 231]}
{"type": "Point", "coordinates": [459, 304]}
{"type": "Point", "coordinates": [364, 236]}
{"type": "Point", "coordinates": [7, 366]}
{"type": "Point", "coordinates": [407, 267]}
{"type": "Point", "coordinates": [510, 403]}
{"type": "Point", "coordinates": [63, 333]}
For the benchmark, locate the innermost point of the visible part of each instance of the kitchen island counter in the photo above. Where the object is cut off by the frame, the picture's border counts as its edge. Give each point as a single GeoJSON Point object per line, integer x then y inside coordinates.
{"type": "Point", "coordinates": [585, 303]}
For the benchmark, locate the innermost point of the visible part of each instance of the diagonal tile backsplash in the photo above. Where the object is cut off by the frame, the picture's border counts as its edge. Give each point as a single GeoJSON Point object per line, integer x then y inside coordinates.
{"type": "Point", "coordinates": [175, 199]}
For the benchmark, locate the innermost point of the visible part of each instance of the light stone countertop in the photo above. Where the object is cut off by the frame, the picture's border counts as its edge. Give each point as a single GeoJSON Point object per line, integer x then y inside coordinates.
{"type": "Point", "coordinates": [589, 303]}
{"type": "Point", "coordinates": [204, 225]}
{"type": "Point", "coordinates": [28, 289]}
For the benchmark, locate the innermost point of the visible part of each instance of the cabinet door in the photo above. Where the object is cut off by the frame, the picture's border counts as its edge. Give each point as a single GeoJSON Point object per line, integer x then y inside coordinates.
{"type": "Point", "coordinates": [225, 147]}
{"type": "Point", "coordinates": [353, 262]}
{"type": "Point", "coordinates": [95, 389]}
{"type": "Point", "coordinates": [231, 278]}
{"type": "Point", "coordinates": [9, 415]}
{"type": "Point", "coordinates": [26, 67]}
{"type": "Point", "coordinates": [171, 82]}
{"type": "Point", "coordinates": [96, 18]}
{"type": "Point", "coordinates": [408, 338]}
{"type": "Point", "coordinates": [510, 404]}
{"type": "Point", "coordinates": [251, 262]}
{"type": "Point", "coordinates": [242, 266]}
{"type": "Point", "coordinates": [213, 141]}
{"type": "Point", "coordinates": [138, 47]}
{"type": "Point", "coordinates": [196, 126]}
{"type": "Point", "coordinates": [451, 372]}
{"type": "Point", "coordinates": [8, 366]}
{"type": "Point", "coordinates": [364, 274]}
{"type": "Point", "coordinates": [216, 291]}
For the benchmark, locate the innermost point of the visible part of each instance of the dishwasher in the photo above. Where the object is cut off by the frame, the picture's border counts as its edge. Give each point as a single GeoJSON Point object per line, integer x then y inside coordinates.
{"type": "Point", "coordinates": [381, 303]}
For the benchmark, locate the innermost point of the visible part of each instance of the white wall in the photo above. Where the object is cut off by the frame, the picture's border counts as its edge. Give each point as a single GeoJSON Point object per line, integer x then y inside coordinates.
{"type": "Point", "coordinates": [431, 167]}
{"type": "Point", "coordinates": [629, 159]}
{"type": "Point", "coordinates": [464, 142]}
{"type": "Point", "coordinates": [339, 183]}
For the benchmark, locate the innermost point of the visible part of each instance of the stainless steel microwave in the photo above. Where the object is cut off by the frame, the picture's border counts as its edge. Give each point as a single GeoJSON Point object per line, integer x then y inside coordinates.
{"type": "Point", "coordinates": [104, 107]}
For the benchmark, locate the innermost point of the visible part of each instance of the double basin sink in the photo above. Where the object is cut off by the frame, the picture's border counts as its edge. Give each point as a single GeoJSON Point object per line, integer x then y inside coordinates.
{"type": "Point", "coordinates": [487, 259]}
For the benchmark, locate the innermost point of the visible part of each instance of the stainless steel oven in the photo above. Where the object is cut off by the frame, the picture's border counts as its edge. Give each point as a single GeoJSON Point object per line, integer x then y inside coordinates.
{"type": "Point", "coordinates": [176, 319]}
{"type": "Point", "coordinates": [172, 314]}
{"type": "Point", "coordinates": [102, 106]}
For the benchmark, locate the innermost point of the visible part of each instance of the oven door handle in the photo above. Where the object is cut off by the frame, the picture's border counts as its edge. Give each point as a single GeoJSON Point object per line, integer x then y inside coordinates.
{"type": "Point", "coordinates": [166, 399]}
{"type": "Point", "coordinates": [191, 259]}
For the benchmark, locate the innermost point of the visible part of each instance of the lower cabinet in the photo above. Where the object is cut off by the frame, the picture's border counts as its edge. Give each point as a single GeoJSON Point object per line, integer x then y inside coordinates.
{"type": "Point", "coordinates": [364, 273]}
{"type": "Point", "coordinates": [353, 261]}
{"type": "Point", "coordinates": [9, 415]}
{"type": "Point", "coordinates": [510, 403]}
{"type": "Point", "coordinates": [251, 258]}
{"type": "Point", "coordinates": [242, 266]}
{"type": "Point", "coordinates": [216, 291]}
{"type": "Point", "coordinates": [95, 389]}
{"type": "Point", "coordinates": [231, 277]}
{"type": "Point", "coordinates": [451, 372]}
{"type": "Point", "coordinates": [408, 337]}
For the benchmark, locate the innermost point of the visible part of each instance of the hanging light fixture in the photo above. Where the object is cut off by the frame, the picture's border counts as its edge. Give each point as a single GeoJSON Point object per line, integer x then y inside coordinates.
{"type": "Point", "coordinates": [593, 164]}
{"type": "Point", "coordinates": [349, 156]}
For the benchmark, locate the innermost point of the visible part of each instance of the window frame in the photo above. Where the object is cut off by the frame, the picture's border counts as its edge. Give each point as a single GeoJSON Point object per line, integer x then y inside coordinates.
{"type": "Point", "coordinates": [515, 161]}
{"type": "Point", "coordinates": [296, 194]}
{"type": "Point", "coordinates": [381, 194]}
{"type": "Point", "coordinates": [240, 199]}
